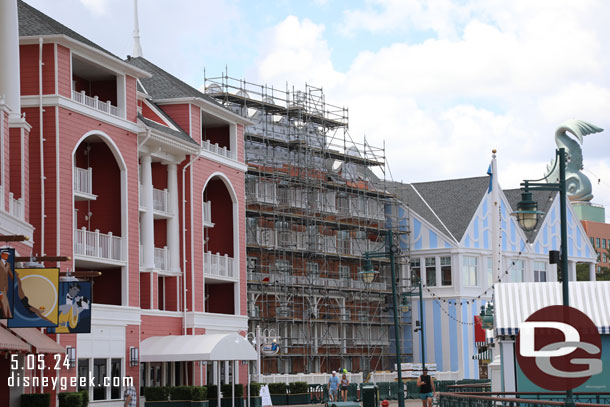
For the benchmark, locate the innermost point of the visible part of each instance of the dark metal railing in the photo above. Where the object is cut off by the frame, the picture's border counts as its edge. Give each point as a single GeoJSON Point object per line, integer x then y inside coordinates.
{"type": "Point", "coordinates": [521, 399]}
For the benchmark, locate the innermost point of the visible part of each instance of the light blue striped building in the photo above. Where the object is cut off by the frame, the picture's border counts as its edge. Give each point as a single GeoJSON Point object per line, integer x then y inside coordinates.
{"type": "Point", "coordinates": [455, 228]}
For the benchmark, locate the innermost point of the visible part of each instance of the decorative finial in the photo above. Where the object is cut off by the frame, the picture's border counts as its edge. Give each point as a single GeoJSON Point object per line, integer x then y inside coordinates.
{"type": "Point", "coordinates": [137, 48]}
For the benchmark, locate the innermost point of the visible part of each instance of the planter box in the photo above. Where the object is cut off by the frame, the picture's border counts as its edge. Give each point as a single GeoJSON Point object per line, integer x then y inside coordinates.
{"type": "Point", "coordinates": [256, 402]}
{"type": "Point", "coordinates": [229, 402]}
{"type": "Point", "coordinates": [279, 399]}
{"type": "Point", "coordinates": [156, 404]}
{"type": "Point", "coordinates": [212, 402]}
{"type": "Point", "coordinates": [202, 403]}
{"type": "Point", "coordinates": [294, 399]}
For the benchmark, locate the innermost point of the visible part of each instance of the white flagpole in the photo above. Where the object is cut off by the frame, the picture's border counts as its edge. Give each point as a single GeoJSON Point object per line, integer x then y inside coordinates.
{"type": "Point", "coordinates": [496, 225]}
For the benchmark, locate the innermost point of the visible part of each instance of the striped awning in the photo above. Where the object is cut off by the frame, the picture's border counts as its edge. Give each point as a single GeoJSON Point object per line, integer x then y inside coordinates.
{"type": "Point", "coordinates": [485, 355]}
{"type": "Point", "coordinates": [10, 342]}
{"type": "Point", "coordinates": [39, 341]}
{"type": "Point", "coordinates": [515, 302]}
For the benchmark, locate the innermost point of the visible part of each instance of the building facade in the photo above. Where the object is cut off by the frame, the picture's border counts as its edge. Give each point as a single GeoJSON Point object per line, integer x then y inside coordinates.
{"type": "Point", "coordinates": [464, 240]}
{"type": "Point", "coordinates": [138, 179]}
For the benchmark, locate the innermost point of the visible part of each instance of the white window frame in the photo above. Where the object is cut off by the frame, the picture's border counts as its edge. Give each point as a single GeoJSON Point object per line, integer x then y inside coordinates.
{"type": "Point", "coordinates": [467, 272]}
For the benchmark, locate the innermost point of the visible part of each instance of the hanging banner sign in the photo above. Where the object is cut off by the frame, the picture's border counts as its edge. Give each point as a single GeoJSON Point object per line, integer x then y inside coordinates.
{"type": "Point", "coordinates": [36, 298]}
{"type": "Point", "coordinates": [7, 270]}
{"type": "Point", "coordinates": [75, 299]}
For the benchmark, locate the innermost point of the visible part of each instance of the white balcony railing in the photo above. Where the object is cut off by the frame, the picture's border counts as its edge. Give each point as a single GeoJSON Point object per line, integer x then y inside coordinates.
{"type": "Point", "coordinates": [141, 255]}
{"type": "Point", "coordinates": [95, 103]}
{"type": "Point", "coordinates": [207, 213]}
{"type": "Point", "coordinates": [262, 192]}
{"type": "Point", "coordinates": [161, 258]}
{"type": "Point", "coordinates": [15, 206]}
{"type": "Point", "coordinates": [83, 180]}
{"type": "Point", "coordinates": [216, 149]}
{"type": "Point", "coordinates": [218, 265]}
{"type": "Point", "coordinates": [160, 200]}
{"type": "Point", "coordinates": [98, 245]}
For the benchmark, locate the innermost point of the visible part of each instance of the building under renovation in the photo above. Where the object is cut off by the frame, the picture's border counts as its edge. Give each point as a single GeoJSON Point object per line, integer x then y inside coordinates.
{"type": "Point", "coordinates": [312, 212]}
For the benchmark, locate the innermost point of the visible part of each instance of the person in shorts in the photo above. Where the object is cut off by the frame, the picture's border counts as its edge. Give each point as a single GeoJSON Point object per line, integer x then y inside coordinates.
{"type": "Point", "coordinates": [426, 388]}
{"type": "Point", "coordinates": [344, 384]}
{"type": "Point", "coordinates": [333, 387]}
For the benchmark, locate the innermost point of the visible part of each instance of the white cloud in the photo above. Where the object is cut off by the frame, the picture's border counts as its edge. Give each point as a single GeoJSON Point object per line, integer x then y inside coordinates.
{"type": "Point", "coordinates": [98, 7]}
{"type": "Point", "coordinates": [493, 75]}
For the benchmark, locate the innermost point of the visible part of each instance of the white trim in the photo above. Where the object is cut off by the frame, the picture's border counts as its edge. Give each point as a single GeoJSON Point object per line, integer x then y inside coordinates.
{"type": "Point", "coordinates": [190, 120]}
{"type": "Point", "coordinates": [236, 236]}
{"type": "Point", "coordinates": [124, 176]}
{"type": "Point", "coordinates": [209, 107]}
{"type": "Point", "coordinates": [57, 184]}
{"type": "Point", "coordinates": [56, 72]}
{"type": "Point", "coordinates": [89, 52]}
{"type": "Point", "coordinates": [62, 101]}
{"type": "Point", "coordinates": [158, 113]}
{"type": "Point", "coordinates": [116, 315]}
{"type": "Point", "coordinates": [430, 226]}
{"type": "Point", "coordinates": [216, 322]}
{"type": "Point", "coordinates": [223, 160]}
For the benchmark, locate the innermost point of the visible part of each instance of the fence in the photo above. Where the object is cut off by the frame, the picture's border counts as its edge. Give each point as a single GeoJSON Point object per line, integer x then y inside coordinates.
{"type": "Point", "coordinates": [96, 244]}
{"type": "Point", "coordinates": [95, 103]}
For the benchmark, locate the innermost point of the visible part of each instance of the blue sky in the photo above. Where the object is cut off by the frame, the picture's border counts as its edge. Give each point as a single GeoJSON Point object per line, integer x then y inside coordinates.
{"type": "Point", "coordinates": [441, 82]}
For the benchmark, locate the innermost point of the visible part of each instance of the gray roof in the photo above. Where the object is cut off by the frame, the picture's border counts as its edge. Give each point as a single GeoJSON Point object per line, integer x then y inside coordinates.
{"type": "Point", "coordinates": [33, 22]}
{"type": "Point", "coordinates": [407, 195]}
{"type": "Point", "coordinates": [163, 85]}
{"type": "Point", "coordinates": [543, 198]}
{"type": "Point", "coordinates": [454, 201]}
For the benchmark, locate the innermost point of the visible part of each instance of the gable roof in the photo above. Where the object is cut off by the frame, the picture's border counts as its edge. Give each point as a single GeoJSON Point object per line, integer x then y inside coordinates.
{"type": "Point", "coordinates": [410, 198]}
{"type": "Point", "coordinates": [454, 201]}
{"type": "Point", "coordinates": [544, 199]}
{"type": "Point", "coordinates": [163, 85]}
{"type": "Point", "coordinates": [35, 23]}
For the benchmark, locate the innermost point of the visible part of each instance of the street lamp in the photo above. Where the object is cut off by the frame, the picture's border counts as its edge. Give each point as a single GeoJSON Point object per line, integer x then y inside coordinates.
{"type": "Point", "coordinates": [527, 215]}
{"type": "Point", "coordinates": [420, 327]}
{"type": "Point", "coordinates": [369, 273]}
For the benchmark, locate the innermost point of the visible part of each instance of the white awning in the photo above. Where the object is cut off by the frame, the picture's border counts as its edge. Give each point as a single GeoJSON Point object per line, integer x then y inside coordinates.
{"type": "Point", "coordinates": [196, 347]}
{"type": "Point", "coordinates": [515, 302]}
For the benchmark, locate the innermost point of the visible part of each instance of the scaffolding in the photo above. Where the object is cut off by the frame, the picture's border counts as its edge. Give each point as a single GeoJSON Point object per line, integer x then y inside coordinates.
{"type": "Point", "coordinates": [313, 208]}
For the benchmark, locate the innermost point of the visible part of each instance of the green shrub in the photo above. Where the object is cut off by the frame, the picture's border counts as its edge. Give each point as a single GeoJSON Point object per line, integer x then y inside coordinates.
{"type": "Point", "coordinates": [277, 388]}
{"type": "Point", "coordinates": [298, 388]}
{"type": "Point", "coordinates": [35, 400]}
{"type": "Point", "coordinates": [72, 400]}
{"type": "Point", "coordinates": [227, 390]}
{"type": "Point", "coordinates": [85, 394]}
{"type": "Point", "coordinates": [255, 389]}
{"type": "Point", "coordinates": [181, 393]}
{"type": "Point", "coordinates": [156, 393]}
{"type": "Point", "coordinates": [199, 393]}
{"type": "Point", "coordinates": [212, 391]}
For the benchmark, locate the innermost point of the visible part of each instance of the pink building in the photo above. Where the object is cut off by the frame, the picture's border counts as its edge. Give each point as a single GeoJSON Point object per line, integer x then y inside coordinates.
{"type": "Point", "coordinates": [136, 175]}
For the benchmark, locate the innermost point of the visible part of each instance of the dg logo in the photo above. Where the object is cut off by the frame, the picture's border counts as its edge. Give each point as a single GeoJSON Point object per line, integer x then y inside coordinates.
{"type": "Point", "coordinates": [559, 348]}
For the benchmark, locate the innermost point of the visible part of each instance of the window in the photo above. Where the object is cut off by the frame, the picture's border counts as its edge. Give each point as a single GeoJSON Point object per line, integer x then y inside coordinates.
{"type": "Point", "coordinates": [115, 372]}
{"type": "Point", "coordinates": [431, 271]}
{"type": "Point", "coordinates": [539, 271]}
{"type": "Point", "coordinates": [597, 242]}
{"type": "Point", "coordinates": [516, 271]}
{"type": "Point", "coordinates": [313, 269]}
{"type": "Point", "coordinates": [252, 264]}
{"type": "Point", "coordinates": [446, 270]}
{"type": "Point", "coordinates": [603, 243]}
{"type": "Point", "coordinates": [282, 266]}
{"type": "Point", "coordinates": [344, 272]}
{"type": "Point", "coordinates": [83, 371]}
{"type": "Point", "coordinates": [415, 271]}
{"type": "Point", "coordinates": [592, 239]}
{"type": "Point", "coordinates": [99, 372]}
{"type": "Point", "coordinates": [470, 271]}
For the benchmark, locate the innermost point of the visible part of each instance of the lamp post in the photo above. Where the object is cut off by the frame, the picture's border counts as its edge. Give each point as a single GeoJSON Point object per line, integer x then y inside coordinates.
{"type": "Point", "coordinates": [527, 215]}
{"type": "Point", "coordinates": [421, 319]}
{"type": "Point", "coordinates": [367, 275]}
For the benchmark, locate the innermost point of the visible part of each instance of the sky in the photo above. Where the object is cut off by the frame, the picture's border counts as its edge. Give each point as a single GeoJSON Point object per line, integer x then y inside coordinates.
{"type": "Point", "coordinates": [441, 82]}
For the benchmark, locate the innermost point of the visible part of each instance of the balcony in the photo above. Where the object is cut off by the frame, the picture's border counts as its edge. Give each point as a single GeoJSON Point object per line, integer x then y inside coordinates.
{"type": "Point", "coordinates": [262, 192]}
{"type": "Point", "coordinates": [98, 246]}
{"type": "Point", "coordinates": [160, 200]}
{"type": "Point", "coordinates": [216, 149]}
{"type": "Point", "coordinates": [219, 266]}
{"type": "Point", "coordinates": [207, 214]}
{"type": "Point", "coordinates": [95, 103]}
{"type": "Point", "coordinates": [161, 258]}
{"type": "Point", "coordinates": [15, 206]}
{"type": "Point", "coordinates": [83, 184]}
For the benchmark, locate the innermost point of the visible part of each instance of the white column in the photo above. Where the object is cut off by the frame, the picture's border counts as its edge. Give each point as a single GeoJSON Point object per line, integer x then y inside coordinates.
{"type": "Point", "coordinates": [148, 229]}
{"type": "Point", "coordinates": [173, 224]}
{"type": "Point", "coordinates": [592, 276]}
{"type": "Point", "coordinates": [571, 271]}
{"type": "Point", "coordinates": [9, 55]}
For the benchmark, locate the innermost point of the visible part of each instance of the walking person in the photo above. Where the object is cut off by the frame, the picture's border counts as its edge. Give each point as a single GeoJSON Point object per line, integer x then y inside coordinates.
{"type": "Point", "coordinates": [131, 398]}
{"type": "Point", "coordinates": [426, 388]}
{"type": "Point", "coordinates": [344, 384]}
{"type": "Point", "coordinates": [333, 387]}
